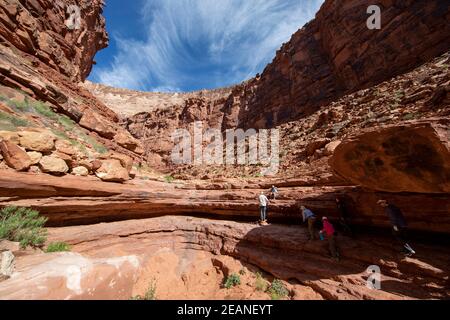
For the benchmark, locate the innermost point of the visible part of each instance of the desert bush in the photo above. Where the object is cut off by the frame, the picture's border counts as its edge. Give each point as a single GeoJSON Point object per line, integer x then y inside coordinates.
{"type": "Point", "coordinates": [169, 179]}
{"type": "Point", "coordinates": [10, 123]}
{"type": "Point", "coordinates": [260, 283]}
{"type": "Point", "coordinates": [233, 280]}
{"type": "Point", "coordinates": [64, 136]}
{"type": "Point", "coordinates": [409, 116]}
{"type": "Point", "coordinates": [21, 106]}
{"type": "Point", "coordinates": [67, 123]}
{"type": "Point", "coordinates": [277, 290]}
{"type": "Point", "coordinates": [58, 247]}
{"type": "Point", "coordinates": [61, 134]}
{"type": "Point", "coordinates": [100, 148]}
{"type": "Point", "coordinates": [44, 110]}
{"type": "Point", "coordinates": [150, 294]}
{"type": "Point", "coordinates": [23, 225]}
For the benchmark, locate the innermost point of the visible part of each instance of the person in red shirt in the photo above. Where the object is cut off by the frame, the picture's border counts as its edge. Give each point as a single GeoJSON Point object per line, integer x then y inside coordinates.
{"type": "Point", "coordinates": [329, 232]}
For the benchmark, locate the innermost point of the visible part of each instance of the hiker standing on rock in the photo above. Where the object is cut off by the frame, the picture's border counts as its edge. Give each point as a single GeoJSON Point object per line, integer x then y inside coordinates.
{"type": "Point", "coordinates": [263, 202]}
{"type": "Point", "coordinates": [343, 217]}
{"type": "Point", "coordinates": [274, 192]}
{"type": "Point", "coordinates": [329, 231]}
{"type": "Point", "coordinates": [399, 226]}
{"type": "Point", "coordinates": [308, 216]}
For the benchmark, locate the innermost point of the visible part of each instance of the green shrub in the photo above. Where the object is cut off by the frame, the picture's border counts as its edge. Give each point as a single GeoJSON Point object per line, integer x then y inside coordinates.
{"type": "Point", "coordinates": [399, 95]}
{"type": "Point", "coordinates": [31, 106]}
{"type": "Point", "coordinates": [23, 225]}
{"type": "Point", "coordinates": [169, 179]}
{"type": "Point", "coordinates": [21, 106]}
{"type": "Point", "coordinates": [277, 290]}
{"type": "Point", "coordinates": [58, 247]}
{"type": "Point", "coordinates": [10, 122]}
{"type": "Point", "coordinates": [44, 110]}
{"type": "Point", "coordinates": [61, 134]}
{"type": "Point", "coordinates": [100, 148]}
{"type": "Point", "coordinates": [233, 280]}
{"type": "Point", "coordinates": [80, 147]}
{"type": "Point", "coordinates": [260, 283]}
{"type": "Point", "coordinates": [150, 294]}
{"type": "Point", "coordinates": [66, 122]}
{"type": "Point", "coordinates": [409, 116]}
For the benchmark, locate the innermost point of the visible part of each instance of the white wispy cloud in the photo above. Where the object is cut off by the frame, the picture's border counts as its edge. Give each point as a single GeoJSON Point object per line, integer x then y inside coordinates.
{"type": "Point", "coordinates": [203, 43]}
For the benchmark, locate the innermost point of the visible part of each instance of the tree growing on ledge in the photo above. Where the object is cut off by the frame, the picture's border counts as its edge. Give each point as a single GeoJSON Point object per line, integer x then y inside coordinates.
{"type": "Point", "coordinates": [23, 225]}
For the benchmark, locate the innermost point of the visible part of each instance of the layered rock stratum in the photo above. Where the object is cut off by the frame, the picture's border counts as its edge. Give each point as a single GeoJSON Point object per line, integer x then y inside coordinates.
{"type": "Point", "coordinates": [188, 258]}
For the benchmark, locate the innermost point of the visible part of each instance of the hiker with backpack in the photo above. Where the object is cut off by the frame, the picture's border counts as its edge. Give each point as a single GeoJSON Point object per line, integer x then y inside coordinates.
{"type": "Point", "coordinates": [263, 202]}
{"type": "Point", "coordinates": [399, 226]}
{"type": "Point", "coordinates": [310, 218]}
{"type": "Point", "coordinates": [274, 192]}
{"type": "Point", "coordinates": [330, 233]}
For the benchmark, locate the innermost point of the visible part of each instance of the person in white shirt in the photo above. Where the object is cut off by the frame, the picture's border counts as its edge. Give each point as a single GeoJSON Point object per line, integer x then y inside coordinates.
{"type": "Point", "coordinates": [263, 201]}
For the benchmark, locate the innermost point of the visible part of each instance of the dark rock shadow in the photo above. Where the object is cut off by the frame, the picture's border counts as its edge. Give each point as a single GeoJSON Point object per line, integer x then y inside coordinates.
{"type": "Point", "coordinates": [286, 253]}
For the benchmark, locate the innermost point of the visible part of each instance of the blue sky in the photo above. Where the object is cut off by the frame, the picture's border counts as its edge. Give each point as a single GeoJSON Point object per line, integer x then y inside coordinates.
{"type": "Point", "coordinates": [186, 45]}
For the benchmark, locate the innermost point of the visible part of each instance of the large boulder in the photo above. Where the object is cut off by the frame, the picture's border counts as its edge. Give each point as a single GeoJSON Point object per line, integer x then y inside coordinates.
{"type": "Point", "coordinates": [125, 160]}
{"type": "Point", "coordinates": [53, 165]}
{"type": "Point", "coordinates": [80, 171]}
{"type": "Point", "coordinates": [35, 157]}
{"type": "Point", "coordinates": [88, 164]}
{"type": "Point", "coordinates": [71, 161]}
{"type": "Point", "coordinates": [316, 145]}
{"type": "Point", "coordinates": [95, 122]}
{"type": "Point", "coordinates": [9, 136]}
{"type": "Point", "coordinates": [14, 156]}
{"type": "Point", "coordinates": [112, 171]}
{"type": "Point", "coordinates": [95, 165]}
{"type": "Point", "coordinates": [411, 157]}
{"type": "Point", "coordinates": [7, 264]}
{"type": "Point", "coordinates": [331, 147]}
{"type": "Point", "coordinates": [41, 141]}
{"type": "Point", "coordinates": [126, 140]}
{"type": "Point", "coordinates": [66, 147]}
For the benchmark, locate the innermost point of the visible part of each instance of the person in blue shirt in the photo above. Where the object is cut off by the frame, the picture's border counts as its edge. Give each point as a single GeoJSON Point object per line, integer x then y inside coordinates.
{"type": "Point", "coordinates": [310, 217]}
{"type": "Point", "coordinates": [274, 192]}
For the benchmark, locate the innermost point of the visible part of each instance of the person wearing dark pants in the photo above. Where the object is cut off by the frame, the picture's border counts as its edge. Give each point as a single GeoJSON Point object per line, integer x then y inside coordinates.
{"type": "Point", "coordinates": [399, 226]}
{"type": "Point", "coordinates": [263, 213]}
{"type": "Point", "coordinates": [329, 231]}
{"type": "Point", "coordinates": [308, 216]}
{"type": "Point", "coordinates": [263, 202]}
{"type": "Point", "coordinates": [344, 217]}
